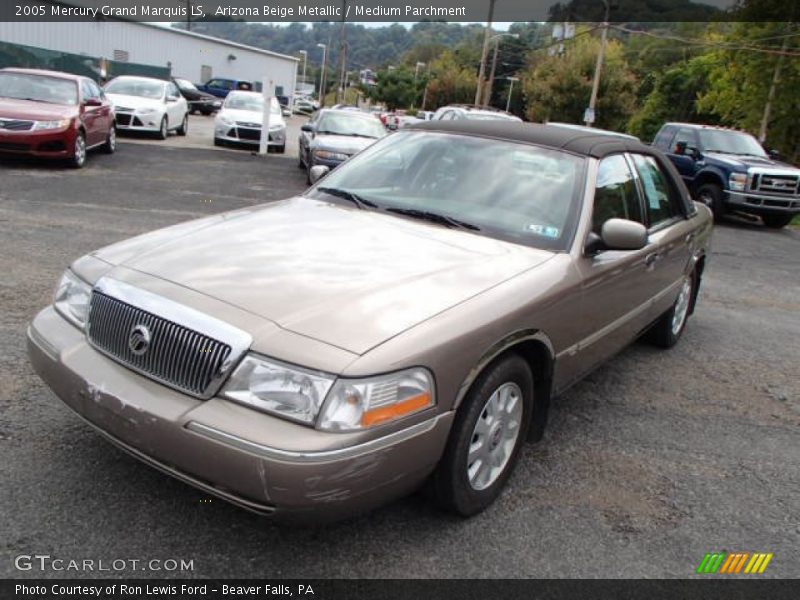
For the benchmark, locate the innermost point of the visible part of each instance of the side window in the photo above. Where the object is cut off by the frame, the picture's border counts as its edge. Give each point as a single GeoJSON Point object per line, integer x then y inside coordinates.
{"type": "Point", "coordinates": [447, 116]}
{"type": "Point", "coordinates": [86, 90]}
{"type": "Point", "coordinates": [172, 90]}
{"type": "Point", "coordinates": [615, 194]}
{"type": "Point", "coordinates": [660, 198]}
{"type": "Point", "coordinates": [664, 137]}
{"type": "Point", "coordinates": [96, 91]}
{"type": "Point", "coordinates": [684, 135]}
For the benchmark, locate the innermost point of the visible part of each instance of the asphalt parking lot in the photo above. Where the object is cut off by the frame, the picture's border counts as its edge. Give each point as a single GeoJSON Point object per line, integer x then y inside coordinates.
{"type": "Point", "coordinates": [654, 460]}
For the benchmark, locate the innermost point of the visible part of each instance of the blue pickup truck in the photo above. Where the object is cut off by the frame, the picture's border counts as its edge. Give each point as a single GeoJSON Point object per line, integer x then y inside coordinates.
{"type": "Point", "coordinates": [221, 86]}
{"type": "Point", "coordinates": [728, 170]}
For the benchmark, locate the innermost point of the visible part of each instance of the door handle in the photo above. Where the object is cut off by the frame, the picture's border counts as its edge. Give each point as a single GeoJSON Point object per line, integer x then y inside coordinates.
{"type": "Point", "coordinates": [650, 259]}
{"type": "Point", "coordinates": [689, 238]}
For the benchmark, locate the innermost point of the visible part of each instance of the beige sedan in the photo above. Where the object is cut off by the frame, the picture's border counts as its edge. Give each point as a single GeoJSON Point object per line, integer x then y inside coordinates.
{"type": "Point", "coordinates": [406, 320]}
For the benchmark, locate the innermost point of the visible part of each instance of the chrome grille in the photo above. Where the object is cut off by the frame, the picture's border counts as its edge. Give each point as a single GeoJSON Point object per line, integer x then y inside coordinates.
{"type": "Point", "coordinates": [773, 183]}
{"type": "Point", "coordinates": [16, 125]}
{"type": "Point", "coordinates": [177, 355]}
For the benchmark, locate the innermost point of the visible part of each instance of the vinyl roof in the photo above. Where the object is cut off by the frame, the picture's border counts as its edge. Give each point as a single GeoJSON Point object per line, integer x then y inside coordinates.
{"type": "Point", "coordinates": [576, 141]}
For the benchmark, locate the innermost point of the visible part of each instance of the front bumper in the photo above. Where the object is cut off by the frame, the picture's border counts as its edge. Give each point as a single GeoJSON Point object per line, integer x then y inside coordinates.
{"type": "Point", "coordinates": [763, 203]}
{"type": "Point", "coordinates": [42, 144]}
{"type": "Point", "coordinates": [248, 135]}
{"type": "Point", "coordinates": [210, 444]}
{"type": "Point", "coordinates": [127, 121]}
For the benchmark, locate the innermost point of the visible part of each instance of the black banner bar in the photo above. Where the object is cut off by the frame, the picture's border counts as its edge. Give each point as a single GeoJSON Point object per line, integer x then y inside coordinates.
{"type": "Point", "coordinates": [715, 588]}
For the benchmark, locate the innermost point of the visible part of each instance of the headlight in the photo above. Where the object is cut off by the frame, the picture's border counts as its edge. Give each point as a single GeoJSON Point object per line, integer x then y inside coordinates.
{"type": "Point", "coordinates": [276, 126]}
{"type": "Point", "coordinates": [279, 388]}
{"type": "Point", "coordinates": [330, 155]}
{"type": "Point", "coordinates": [40, 125]}
{"type": "Point", "coordinates": [147, 111]}
{"type": "Point", "coordinates": [72, 298]}
{"type": "Point", "coordinates": [355, 404]}
{"type": "Point", "coordinates": [226, 119]}
{"type": "Point", "coordinates": [737, 181]}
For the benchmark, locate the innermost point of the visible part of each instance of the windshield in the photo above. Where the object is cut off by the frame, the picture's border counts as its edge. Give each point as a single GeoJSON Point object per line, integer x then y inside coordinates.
{"type": "Point", "coordinates": [40, 88]}
{"type": "Point", "coordinates": [730, 142]}
{"type": "Point", "coordinates": [251, 102]}
{"type": "Point", "coordinates": [136, 87]}
{"type": "Point", "coordinates": [512, 191]}
{"type": "Point", "coordinates": [350, 124]}
{"type": "Point", "coordinates": [185, 84]}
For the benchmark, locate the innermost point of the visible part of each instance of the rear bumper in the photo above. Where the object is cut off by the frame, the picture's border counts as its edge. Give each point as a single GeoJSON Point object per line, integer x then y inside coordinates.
{"type": "Point", "coordinates": [210, 444]}
{"type": "Point", "coordinates": [761, 204]}
{"type": "Point", "coordinates": [42, 144]}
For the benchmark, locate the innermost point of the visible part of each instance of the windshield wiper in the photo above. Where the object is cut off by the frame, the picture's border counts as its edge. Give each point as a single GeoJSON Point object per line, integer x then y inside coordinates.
{"type": "Point", "coordinates": [433, 218]}
{"type": "Point", "coordinates": [347, 195]}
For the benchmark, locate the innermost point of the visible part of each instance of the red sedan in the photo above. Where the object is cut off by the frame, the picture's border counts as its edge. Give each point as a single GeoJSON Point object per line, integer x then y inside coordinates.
{"type": "Point", "coordinates": [49, 114]}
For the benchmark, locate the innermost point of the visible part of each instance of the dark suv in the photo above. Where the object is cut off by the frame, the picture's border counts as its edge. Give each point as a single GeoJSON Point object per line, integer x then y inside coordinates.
{"type": "Point", "coordinates": [729, 170]}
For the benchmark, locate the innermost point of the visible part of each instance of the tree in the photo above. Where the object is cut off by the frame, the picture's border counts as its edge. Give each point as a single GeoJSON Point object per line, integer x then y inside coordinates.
{"type": "Point", "coordinates": [558, 87]}
{"type": "Point", "coordinates": [450, 82]}
{"type": "Point", "coordinates": [396, 88]}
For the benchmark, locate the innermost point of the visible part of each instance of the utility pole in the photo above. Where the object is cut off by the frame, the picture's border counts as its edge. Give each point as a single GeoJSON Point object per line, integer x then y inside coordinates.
{"type": "Point", "coordinates": [776, 77]}
{"type": "Point", "coordinates": [305, 60]}
{"type": "Point", "coordinates": [486, 37]}
{"type": "Point", "coordinates": [589, 116]}
{"type": "Point", "coordinates": [342, 60]}
{"type": "Point", "coordinates": [490, 84]}
{"type": "Point", "coordinates": [322, 75]}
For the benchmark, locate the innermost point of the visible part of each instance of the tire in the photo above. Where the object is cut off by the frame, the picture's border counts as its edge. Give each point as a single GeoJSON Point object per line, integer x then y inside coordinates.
{"type": "Point", "coordinates": [776, 221]}
{"type": "Point", "coordinates": [308, 175]}
{"type": "Point", "coordinates": [712, 196]}
{"type": "Point", "coordinates": [218, 142]}
{"type": "Point", "coordinates": [481, 451]}
{"type": "Point", "coordinates": [163, 131]}
{"type": "Point", "coordinates": [111, 141]}
{"type": "Point", "coordinates": [281, 149]}
{"type": "Point", "coordinates": [78, 158]}
{"type": "Point", "coordinates": [300, 163]}
{"type": "Point", "coordinates": [670, 326]}
{"type": "Point", "coordinates": [184, 128]}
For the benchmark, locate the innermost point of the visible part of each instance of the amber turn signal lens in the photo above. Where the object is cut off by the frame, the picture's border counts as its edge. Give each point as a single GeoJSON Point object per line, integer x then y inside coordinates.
{"type": "Point", "coordinates": [387, 413]}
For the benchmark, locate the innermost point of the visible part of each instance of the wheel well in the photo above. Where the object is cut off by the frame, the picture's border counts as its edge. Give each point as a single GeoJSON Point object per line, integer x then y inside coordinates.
{"type": "Point", "coordinates": [537, 355]}
{"type": "Point", "coordinates": [698, 276]}
{"type": "Point", "coordinates": [705, 178]}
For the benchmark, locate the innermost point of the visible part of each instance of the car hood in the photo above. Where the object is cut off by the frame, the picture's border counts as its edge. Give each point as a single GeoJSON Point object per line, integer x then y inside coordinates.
{"type": "Point", "coordinates": [342, 143]}
{"type": "Point", "coordinates": [748, 161]}
{"type": "Point", "coordinates": [135, 102]}
{"type": "Point", "coordinates": [11, 108]}
{"type": "Point", "coordinates": [346, 277]}
{"type": "Point", "coordinates": [250, 116]}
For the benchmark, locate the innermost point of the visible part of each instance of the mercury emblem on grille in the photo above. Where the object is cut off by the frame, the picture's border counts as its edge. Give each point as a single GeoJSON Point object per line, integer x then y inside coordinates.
{"type": "Point", "coordinates": [139, 339]}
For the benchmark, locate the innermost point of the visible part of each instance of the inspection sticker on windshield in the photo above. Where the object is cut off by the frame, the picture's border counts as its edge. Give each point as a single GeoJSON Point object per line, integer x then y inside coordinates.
{"type": "Point", "coordinates": [551, 232]}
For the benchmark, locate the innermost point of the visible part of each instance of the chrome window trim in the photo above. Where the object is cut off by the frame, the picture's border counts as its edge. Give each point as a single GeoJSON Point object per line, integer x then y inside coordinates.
{"type": "Point", "coordinates": [348, 452]}
{"type": "Point", "coordinates": [180, 314]}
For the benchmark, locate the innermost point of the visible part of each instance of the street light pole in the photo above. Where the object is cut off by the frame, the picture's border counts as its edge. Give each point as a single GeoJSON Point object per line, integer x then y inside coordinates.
{"type": "Point", "coordinates": [322, 75]}
{"type": "Point", "coordinates": [305, 60]}
{"type": "Point", "coordinates": [588, 118]}
{"type": "Point", "coordinates": [510, 91]}
{"type": "Point", "coordinates": [486, 37]}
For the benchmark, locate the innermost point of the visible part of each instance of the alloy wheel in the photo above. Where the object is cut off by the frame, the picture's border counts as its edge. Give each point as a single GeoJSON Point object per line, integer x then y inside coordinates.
{"type": "Point", "coordinates": [494, 436]}
{"type": "Point", "coordinates": [79, 150]}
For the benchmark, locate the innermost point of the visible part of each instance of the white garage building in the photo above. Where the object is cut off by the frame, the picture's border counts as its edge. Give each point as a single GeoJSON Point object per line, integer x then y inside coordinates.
{"type": "Point", "coordinates": [190, 55]}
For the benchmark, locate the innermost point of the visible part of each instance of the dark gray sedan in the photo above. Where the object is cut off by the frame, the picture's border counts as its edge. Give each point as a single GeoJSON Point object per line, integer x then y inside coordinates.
{"type": "Point", "coordinates": [332, 136]}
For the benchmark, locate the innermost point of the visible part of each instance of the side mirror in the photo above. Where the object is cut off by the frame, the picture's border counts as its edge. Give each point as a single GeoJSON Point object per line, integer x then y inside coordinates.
{"type": "Point", "coordinates": [622, 234]}
{"type": "Point", "coordinates": [93, 102]}
{"type": "Point", "coordinates": [775, 154]}
{"type": "Point", "coordinates": [308, 127]}
{"type": "Point", "coordinates": [317, 172]}
{"type": "Point", "coordinates": [171, 99]}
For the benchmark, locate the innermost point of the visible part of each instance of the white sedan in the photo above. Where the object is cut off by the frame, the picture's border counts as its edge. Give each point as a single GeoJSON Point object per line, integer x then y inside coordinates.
{"type": "Point", "coordinates": [241, 119]}
{"type": "Point", "coordinates": [150, 105]}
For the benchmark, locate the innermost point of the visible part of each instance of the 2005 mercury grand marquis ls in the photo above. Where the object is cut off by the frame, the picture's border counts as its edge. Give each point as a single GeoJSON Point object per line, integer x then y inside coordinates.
{"type": "Point", "coordinates": [407, 319]}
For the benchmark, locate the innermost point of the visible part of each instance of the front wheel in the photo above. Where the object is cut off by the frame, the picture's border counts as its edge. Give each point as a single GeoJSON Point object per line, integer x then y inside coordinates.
{"type": "Point", "coordinates": [668, 329]}
{"type": "Point", "coordinates": [488, 432]}
{"type": "Point", "coordinates": [776, 221]}
{"type": "Point", "coordinates": [184, 128]}
{"type": "Point", "coordinates": [280, 149]}
{"type": "Point", "coordinates": [163, 130]}
{"type": "Point", "coordinates": [711, 195]}
{"type": "Point", "coordinates": [78, 159]}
